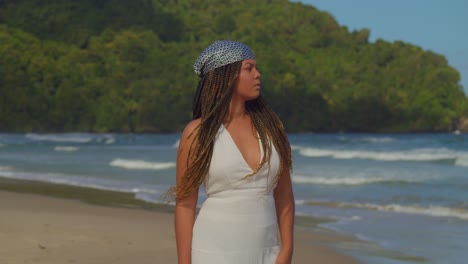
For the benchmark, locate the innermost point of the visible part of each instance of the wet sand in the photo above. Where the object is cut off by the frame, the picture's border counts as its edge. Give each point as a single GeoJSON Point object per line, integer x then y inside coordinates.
{"type": "Point", "coordinates": [109, 227]}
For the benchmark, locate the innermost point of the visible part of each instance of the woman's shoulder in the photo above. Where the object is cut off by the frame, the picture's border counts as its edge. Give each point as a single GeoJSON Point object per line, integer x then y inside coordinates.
{"type": "Point", "coordinates": [190, 127]}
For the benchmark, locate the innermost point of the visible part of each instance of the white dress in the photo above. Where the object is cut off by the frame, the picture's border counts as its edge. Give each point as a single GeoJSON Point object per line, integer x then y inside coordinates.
{"type": "Point", "coordinates": [237, 222]}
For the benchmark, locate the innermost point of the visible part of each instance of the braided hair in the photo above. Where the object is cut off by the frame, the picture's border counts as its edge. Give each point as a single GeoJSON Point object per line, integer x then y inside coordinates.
{"type": "Point", "coordinates": [211, 104]}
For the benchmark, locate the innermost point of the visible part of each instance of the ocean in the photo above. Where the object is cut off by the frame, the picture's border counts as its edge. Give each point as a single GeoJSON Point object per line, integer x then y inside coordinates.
{"type": "Point", "coordinates": [405, 195]}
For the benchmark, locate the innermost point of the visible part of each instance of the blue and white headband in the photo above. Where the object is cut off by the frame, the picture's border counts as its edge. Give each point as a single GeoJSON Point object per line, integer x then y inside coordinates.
{"type": "Point", "coordinates": [221, 53]}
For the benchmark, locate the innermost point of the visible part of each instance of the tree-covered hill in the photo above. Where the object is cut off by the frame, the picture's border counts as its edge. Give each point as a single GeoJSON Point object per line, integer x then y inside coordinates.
{"type": "Point", "coordinates": [126, 66]}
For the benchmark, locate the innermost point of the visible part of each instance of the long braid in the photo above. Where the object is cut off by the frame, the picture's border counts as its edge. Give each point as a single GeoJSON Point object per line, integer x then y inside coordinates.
{"type": "Point", "coordinates": [215, 92]}
{"type": "Point", "coordinates": [270, 129]}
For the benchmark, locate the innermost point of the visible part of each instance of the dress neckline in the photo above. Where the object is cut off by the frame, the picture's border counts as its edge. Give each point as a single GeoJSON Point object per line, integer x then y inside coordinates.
{"type": "Point", "coordinates": [239, 151]}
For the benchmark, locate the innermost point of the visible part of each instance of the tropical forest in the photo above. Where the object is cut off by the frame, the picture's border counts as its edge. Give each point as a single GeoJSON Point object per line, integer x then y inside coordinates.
{"type": "Point", "coordinates": [125, 66]}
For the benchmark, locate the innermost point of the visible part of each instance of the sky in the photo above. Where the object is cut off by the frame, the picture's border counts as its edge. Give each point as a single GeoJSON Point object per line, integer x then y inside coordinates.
{"type": "Point", "coordinates": [437, 25]}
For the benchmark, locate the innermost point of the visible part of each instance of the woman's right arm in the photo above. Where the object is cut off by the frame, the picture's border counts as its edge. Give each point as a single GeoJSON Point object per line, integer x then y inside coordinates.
{"type": "Point", "coordinates": [185, 208]}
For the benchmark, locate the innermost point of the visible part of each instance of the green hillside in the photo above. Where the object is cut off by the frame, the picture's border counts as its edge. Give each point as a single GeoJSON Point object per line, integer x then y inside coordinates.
{"type": "Point", "coordinates": [126, 66]}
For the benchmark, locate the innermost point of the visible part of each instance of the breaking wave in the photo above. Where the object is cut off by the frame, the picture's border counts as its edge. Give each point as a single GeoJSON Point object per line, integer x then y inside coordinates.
{"type": "Point", "coordinates": [141, 164]}
{"type": "Point", "coordinates": [73, 138]}
{"type": "Point", "coordinates": [66, 148]}
{"type": "Point", "coordinates": [368, 139]}
{"type": "Point", "coordinates": [347, 181]}
{"type": "Point", "coordinates": [425, 155]}
{"type": "Point", "coordinates": [78, 138]}
{"type": "Point", "coordinates": [435, 211]}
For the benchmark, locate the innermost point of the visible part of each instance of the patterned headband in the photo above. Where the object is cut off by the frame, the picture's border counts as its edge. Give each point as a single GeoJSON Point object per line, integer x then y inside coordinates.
{"type": "Point", "coordinates": [221, 53]}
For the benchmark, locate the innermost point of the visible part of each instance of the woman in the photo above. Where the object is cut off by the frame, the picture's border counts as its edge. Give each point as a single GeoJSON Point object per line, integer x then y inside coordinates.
{"type": "Point", "coordinates": [237, 148]}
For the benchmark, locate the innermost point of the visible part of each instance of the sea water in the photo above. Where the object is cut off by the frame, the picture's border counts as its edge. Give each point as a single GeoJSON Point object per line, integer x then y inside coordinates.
{"type": "Point", "coordinates": [407, 193]}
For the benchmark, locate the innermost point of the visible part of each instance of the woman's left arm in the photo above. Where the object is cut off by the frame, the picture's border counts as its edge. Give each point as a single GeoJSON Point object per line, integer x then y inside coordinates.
{"type": "Point", "coordinates": [285, 209]}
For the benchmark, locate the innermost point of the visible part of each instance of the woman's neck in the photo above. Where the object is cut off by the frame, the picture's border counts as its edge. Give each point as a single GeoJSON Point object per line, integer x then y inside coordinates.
{"type": "Point", "coordinates": [236, 111]}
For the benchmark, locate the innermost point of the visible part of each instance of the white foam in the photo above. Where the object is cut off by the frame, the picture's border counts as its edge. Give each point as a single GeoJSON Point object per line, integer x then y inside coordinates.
{"type": "Point", "coordinates": [145, 190]}
{"type": "Point", "coordinates": [378, 139]}
{"type": "Point", "coordinates": [83, 181]}
{"type": "Point", "coordinates": [435, 211]}
{"type": "Point", "coordinates": [75, 138]}
{"type": "Point", "coordinates": [66, 148]}
{"type": "Point", "coordinates": [345, 181]}
{"type": "Point", "coordinates": [109, 140]}
{"type": "Point", "coordinates": [462, 161]}
{"type": "Point", "coordinates": [423, 154]}
{"type": "Point", "coordinates": [176, 144]}
{"type": "Point", "coordinates": [295, 147]}
{"type": "Point", "coordinates": [299, 202]}
{"type": "Point", "coordinates": [141, 164]}
{"type": "Point", "coordinates": [439, 211]}
{"type": "Point", "coordinates": [368, 139]}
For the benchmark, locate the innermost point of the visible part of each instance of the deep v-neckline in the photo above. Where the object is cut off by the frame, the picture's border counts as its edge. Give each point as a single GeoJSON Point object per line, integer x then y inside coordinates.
{"type": "Point", "coordinates": [239, 151]}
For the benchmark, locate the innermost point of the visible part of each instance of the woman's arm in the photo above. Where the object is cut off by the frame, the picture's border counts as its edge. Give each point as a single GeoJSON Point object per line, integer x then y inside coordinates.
{"type": "Point", "coordinates": [185, 208]}
{"type": "Point", "coordinates": [285, 210]}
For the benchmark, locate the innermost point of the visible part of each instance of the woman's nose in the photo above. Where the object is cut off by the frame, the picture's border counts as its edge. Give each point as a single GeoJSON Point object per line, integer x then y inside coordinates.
{"type": "Point", "coordinates": [258, 74]}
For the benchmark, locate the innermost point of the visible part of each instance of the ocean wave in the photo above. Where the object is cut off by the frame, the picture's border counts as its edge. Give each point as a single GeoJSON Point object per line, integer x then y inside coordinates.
{"type": "Point", "coordinates": [368, 139]}
{"type": "Point", "coordinates": [435, 211]}
{"type": "Point", "coordinates": [295, 147]}
{"type": "Point", "coordinates": [423, 154]}
{"type": "Point", "coordinates": [462, 161]}
{"type": "Point", "coordinates": [108, 140]}
{"type": "Point", "coordinates": [176, 144]}
{"type": "Point", "coordinates": [82, 181]}
{"type": "Point", "coordinates": [378, 139]}
{"type": "Point", "coordinates": [66, 148]}
{"type": "Point", "coordinates": [347, 181]}
{"type": "Point", "coordinates": [141, 164]}
{"type": "Point", "coordinates": [73, 138]}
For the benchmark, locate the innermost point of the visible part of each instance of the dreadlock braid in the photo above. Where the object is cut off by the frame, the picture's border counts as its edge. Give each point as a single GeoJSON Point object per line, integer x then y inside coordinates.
{"type": "Point", "coordinates": [270, 129]}
{"type": "Point", "coordinates": [214, 94]}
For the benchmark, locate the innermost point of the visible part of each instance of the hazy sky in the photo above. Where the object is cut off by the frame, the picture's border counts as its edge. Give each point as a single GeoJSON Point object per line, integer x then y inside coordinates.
{"type": "Point", "coordinates": [437, 25]}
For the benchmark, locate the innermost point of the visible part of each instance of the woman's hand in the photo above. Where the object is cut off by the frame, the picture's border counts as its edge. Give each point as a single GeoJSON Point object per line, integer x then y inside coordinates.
{"type": "Point", "coordinates": [283, 257]}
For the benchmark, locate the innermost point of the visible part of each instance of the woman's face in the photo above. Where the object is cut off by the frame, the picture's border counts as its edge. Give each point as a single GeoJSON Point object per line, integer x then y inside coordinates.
{"type": "Point", "coordinates": [248, 82]}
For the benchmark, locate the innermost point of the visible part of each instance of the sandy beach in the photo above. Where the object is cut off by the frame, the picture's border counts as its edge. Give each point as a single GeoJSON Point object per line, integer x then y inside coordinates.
{"type": "Point", "coordinates": [40, 229]}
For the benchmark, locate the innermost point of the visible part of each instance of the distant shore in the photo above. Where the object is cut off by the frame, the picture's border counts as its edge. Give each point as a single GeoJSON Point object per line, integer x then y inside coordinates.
{"type": "Point", "coordinates": [53, 223]}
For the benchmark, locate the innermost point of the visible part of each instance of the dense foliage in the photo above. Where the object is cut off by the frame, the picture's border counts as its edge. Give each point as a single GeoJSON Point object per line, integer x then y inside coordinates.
{"type": "Point", "coordinates": [125, 66]}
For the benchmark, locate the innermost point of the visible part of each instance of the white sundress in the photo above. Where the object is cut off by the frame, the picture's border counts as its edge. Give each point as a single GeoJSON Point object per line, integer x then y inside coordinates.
{"type": "Point", "coordinates": [237, 222]}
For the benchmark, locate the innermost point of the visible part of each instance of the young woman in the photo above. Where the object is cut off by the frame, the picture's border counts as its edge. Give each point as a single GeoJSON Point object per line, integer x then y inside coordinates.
{"type": "Point", "coordinates": [237, 148]}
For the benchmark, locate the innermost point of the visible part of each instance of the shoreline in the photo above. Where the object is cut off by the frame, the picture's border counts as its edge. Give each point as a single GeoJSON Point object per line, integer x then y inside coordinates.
{"type": "Point", "coordinates": [55, 223]}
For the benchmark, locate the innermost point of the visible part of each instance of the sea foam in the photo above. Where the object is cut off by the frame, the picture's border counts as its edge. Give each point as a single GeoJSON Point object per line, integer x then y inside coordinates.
{"type": "Point", "coordinates": [73, 138]}
{"type": "Point", "coordinates": [176, 144]}
{"type": "Point", "coordinates": [368, 139]}
{"type": "Point", "coordinates": [83, 181]}
{"type": "Point", "coordinates": [462, 161]}
{"type": "Point", "coordinates": [347, 180]}
{"type": "Point", "coordinates": [66, 148]}
{"type": "Point", "coordinates": [435, 211]}
{"type": "Point", "coordinates": [141, 164]}
{"type": "Point", "coordinates": [423, 154]}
